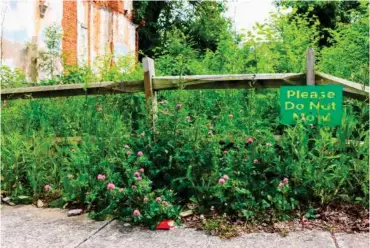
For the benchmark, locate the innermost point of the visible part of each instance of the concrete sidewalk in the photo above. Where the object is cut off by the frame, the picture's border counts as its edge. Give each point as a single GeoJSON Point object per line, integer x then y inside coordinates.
{"type": "Point", "coordinates": [28, 226]}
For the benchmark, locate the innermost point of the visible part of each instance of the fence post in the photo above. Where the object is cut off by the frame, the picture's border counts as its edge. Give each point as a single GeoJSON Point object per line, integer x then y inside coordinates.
{"type": "Point", "coordinates": [310, 67]}
{"type": "Point", "coordinates": [150, 95]}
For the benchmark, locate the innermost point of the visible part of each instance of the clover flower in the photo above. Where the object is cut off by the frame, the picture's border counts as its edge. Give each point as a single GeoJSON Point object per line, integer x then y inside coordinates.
{"type": "Point", "coordinates": [100, 177]}
{"type": "Point", "coordinates": [111, 186]}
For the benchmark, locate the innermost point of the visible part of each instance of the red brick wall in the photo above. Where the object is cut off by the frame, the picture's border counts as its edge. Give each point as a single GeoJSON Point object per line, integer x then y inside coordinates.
{"type": "Point", "coordinates": [116, 6]}
{"type": "Point", "coordinates": [69, 25]}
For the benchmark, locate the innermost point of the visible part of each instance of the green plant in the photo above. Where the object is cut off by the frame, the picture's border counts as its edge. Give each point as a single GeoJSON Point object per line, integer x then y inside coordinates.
{"type": "Point", "coordinates": [220, 226]}
{"type": "Point", "coordinates": [50, 59]}
{"type": "Point", "coordinates": [11, 78]}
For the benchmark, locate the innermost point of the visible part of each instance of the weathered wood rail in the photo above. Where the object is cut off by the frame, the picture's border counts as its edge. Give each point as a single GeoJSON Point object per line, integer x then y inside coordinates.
{"type": "Point", "coordinates": [151, 84]}
{"type": "Point", "coordinates": [238, 81]}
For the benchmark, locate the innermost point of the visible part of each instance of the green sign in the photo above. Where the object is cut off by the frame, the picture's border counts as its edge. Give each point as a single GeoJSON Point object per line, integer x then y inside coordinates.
{"type": "Point", "coordinates": [316, 104]}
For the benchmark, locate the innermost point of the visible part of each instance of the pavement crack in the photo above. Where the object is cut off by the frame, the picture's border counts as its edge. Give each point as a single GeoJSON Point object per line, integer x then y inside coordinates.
{"type": "Point", "coordinates": [99, 229]}
{"type": "Point", "coordinates": [334, 239]}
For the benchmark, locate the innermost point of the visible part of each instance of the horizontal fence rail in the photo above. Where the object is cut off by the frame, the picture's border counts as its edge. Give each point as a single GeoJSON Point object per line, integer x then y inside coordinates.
{"type": "Point", "coordinates": [237, 81]}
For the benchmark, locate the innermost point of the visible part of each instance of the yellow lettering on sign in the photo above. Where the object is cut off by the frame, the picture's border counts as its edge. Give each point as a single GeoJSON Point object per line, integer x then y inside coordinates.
{"type": "Point", "coordinates": [313, 94]}
{"type": "Point", "coordinates": [304, 95]}
{"type": "Point", "coordinates": [312, 105]}
{"type": "Point", "coordinates": [310, 118]}
{"type": "Point", "coordinates": [296, 117]}
{"type": "Point", "coordinates": [333, 104]}
{"type": "Point", "coordinates": [317, 106]}
{"type": "Point", "coordinates": [289, 105]}
{"type": "Point", "coordinates": [300, 106]}
{"type": "Point", "coordinates": [325, 118]}
{"type": "Point", "coordinates": [291, 93]}
{"type": "Point", "coordinates": [325, 107]}
{"type": "Point", "coordinates": [331, 94]}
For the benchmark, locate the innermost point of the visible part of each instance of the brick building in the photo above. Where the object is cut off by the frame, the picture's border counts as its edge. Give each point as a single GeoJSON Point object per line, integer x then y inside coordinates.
{"type": "Point", "coordinates": [90, 28]}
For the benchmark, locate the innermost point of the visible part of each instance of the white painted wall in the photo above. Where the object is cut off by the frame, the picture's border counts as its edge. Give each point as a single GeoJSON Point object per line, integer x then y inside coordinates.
{"type": "Point", "coordinates": [22, 25]}
{"type": "Point", "coordinates": [18, 29]}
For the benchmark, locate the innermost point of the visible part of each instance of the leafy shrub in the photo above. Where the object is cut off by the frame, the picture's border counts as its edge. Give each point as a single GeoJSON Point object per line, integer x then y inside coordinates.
{"type": "Point", "coordinates": [12, 78]}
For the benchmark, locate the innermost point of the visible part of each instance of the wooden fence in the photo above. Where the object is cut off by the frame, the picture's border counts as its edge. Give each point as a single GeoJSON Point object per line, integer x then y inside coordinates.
{"type": "Point", "coordinates": [151, 83]}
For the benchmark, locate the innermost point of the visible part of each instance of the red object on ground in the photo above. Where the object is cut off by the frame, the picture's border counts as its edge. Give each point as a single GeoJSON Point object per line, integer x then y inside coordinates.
{"type": "Point", "coordinates": [165, 225]}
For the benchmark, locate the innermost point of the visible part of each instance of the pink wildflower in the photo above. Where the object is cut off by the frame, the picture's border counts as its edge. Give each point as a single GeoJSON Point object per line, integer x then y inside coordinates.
{"type": "Point", "coordinates": [255, 161]}
{"type": "Point", "coordinates": [136, 212]}
{"type": "Point", "coordinates": [231, 116]}
{"type": "Point", "coordinates": [226, 177]}
{"type": "Point", "coordinates": [47, 187]}
{"type": "Point", "coordinates": [139, 154]}
{"type": "Point", "coordinates": [225, 152]}
{"type": "Point", "coordinates": [139, 179]}
{"type": "Point", "coordinates": [121, 190]}
{"type": "Point", "coordinates": [137, 174]}
{"type": "Point", "coordinates": [101, 177]}
{"type": "Point", "coordinates": [158, 199]}
{"type": "Point", "coordinates": [221, 181]}
{"type": "Point", "coordinates": [141, 170]}
{"type": "Point", "coordinates": [146, 199]}
{"type": "Point", "coordinates": [250, 140]}
{"type": "Point", "coordinates": [165, 203]}
{"type": "Point", "coordinates": [285, 180]}
{"type": "Point", "coordinates": [281, 185]}
{"type": "Point", "coordinates": [111, 186]}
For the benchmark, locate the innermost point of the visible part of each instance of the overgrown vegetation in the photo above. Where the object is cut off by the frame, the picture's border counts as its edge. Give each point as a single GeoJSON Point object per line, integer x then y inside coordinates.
{"type": "Point", "coordinates": [212, 148]}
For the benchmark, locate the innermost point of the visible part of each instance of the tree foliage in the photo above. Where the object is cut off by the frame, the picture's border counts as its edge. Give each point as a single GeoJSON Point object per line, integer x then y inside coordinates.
{"type": "Point", "coordinates": [203, 22]}
{"type": "Point", "coordinates": [329, 13]}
